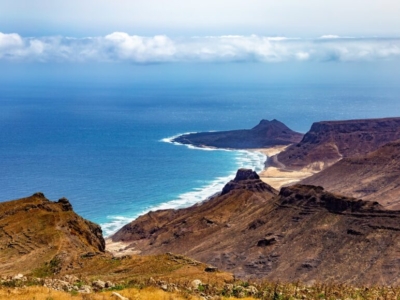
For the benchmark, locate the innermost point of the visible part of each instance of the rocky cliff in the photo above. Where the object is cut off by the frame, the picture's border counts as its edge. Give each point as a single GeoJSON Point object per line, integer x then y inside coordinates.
{"type": "Point", "coordinates": [265, 134]}
{"type": "Point", "coordinates": [374, 176]}
{"type": "Point", "coordinates": [35, 231]}
{"type": "Point", "coordinates": [303, 233]}
{"type": "Point", "coordinates": [328, 142]}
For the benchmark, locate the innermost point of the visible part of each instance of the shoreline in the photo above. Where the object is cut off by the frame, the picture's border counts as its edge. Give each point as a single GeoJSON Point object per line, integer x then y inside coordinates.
{"type": "Point", "coordinates": [275, 177]}
{"type": "Point", "coordinates": [271, 175]}
{"type": "Point", "coordinates": [241, 158]}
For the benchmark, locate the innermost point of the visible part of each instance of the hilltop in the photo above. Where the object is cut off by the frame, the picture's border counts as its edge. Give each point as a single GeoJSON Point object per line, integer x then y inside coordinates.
{"type": "Point", "coordinates": [35, 231]}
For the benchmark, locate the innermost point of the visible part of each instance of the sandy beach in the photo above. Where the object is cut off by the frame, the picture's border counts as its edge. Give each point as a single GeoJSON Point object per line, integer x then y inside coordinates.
{"type": "Point", "coordinates": [277, 177]}
{"type": "Point", "coordinates": [119, 249]}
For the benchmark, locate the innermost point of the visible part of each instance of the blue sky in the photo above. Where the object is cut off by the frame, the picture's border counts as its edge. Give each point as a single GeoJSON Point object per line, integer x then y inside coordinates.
{"type": "Point", "coordinates": [159, 31]}
{"type": "Point", "coordinates": [291, 18]}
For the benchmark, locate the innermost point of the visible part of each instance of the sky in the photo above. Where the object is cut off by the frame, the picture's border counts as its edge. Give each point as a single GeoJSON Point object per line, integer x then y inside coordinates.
{"type": "Point", "coordinates": [159, 31]}
{"type": "Point", "coordinates": [290, 18]}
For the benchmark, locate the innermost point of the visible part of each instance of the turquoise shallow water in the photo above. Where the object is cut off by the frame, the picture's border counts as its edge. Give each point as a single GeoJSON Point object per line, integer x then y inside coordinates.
{"type": "Point", "coordinates": [106, 148]}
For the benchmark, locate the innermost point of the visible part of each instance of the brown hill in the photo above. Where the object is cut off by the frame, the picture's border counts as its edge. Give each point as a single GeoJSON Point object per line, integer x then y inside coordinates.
{"type": "Point", "coordinates": [265, 134]}
{"type": "Point", "coordinates": [374, 176]}
{"type": "Point", "coordinates": [34, 231]}
{"type": "Point", "coordinates": [327, 142]}
{"type": "Point", "coordinates": [44, 238]}
{"type": "Point", "coordinates": [304, 233]}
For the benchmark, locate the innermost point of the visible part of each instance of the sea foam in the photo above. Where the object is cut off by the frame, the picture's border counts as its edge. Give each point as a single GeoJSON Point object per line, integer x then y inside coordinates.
{"type": "Point", "coordinates": [243, 159]}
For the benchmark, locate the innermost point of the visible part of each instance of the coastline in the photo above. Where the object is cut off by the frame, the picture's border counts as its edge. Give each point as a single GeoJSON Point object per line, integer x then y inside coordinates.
{"type": "Point", "coordinates": [245, 158]}
{"type": "Point", "coordinates": [240, 158]}
{"type": "Point", "coordinates": [275, 177]}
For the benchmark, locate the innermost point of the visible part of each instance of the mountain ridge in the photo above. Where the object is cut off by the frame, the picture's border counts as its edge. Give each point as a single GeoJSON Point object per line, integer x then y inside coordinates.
{"type": "Point", "coordinates": [258, 233]}
{"type": "Point", "coordinates": [329, 141]}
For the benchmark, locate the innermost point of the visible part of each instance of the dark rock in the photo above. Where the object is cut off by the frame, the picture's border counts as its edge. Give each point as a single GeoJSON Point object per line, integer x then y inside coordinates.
{"type": "Point", "coordinates": [211, 269]}
{"type": "Point", "coordinates": [245, 174]}
{"type": "Point", "coordinates": [65, 204]}
{"type": "Point", "coordinates": [266, 242]}
{"type": "Point", "coordinates": [353, 232]}
{"type": "Point", "coordinates": [39, 195]}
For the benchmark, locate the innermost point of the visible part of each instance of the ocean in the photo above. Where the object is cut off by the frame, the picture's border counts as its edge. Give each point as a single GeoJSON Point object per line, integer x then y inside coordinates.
{"type": "Point", "coordinates": [106, 146]}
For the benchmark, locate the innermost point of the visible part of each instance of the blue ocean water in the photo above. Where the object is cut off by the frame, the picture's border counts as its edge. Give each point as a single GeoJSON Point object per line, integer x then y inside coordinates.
{"type": "Point", "coordinates": [105, 146]}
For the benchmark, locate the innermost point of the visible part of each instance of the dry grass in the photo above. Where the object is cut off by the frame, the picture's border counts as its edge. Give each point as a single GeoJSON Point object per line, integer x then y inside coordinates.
{"type": "Point", "coordinates": [138, 269]}
{"type": "Point", "coordinates": [42, 293]}
{"type": "Point", "coordinates": [326, 291]}
{"type": "Point", "coordinates": [271, 291]}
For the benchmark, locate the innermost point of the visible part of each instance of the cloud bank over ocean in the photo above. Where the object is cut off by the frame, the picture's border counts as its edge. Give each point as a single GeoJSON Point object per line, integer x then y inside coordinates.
{"type": "Point", "coordinates": [122, 47]}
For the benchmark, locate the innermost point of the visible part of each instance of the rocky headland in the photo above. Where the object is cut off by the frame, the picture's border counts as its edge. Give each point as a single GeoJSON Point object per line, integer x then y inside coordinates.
{"type": "Point", "coordinates": [265, 134]}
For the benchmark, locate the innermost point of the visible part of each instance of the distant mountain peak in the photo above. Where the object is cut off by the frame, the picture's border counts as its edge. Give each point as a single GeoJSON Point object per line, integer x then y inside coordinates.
{"type": "Point", "coordinates": [267, 123]}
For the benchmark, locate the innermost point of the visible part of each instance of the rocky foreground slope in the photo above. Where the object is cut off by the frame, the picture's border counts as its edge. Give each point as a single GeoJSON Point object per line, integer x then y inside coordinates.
{"type": "Point", "coordinates": [41, 238]}
{"type": "Point", "coordinates": [303, 233]}
{"type": "Point", "coordinates": [265, 134]}
{"type": "Point", "coordinates": [329, 141]}
{"type": "Point", "coordinates": [374, 176]}
{"type": "Point", "coordinates": [35, 230]}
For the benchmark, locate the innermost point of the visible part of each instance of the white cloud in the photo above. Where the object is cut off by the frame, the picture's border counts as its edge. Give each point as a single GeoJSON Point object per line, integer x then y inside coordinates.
{"type": "Point", "coordinates": [140, 49]}
{"type": "Point", "coordinates": [122, 47]}
{"type": "Point", "coordinates": [330, 36]}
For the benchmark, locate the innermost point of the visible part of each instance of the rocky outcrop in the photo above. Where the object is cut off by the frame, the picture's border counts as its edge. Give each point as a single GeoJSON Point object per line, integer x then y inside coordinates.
{"type": "Point", "coordinates": [35, 231]}
{"type": "Point", "coordinates": [329, 141]}
{"type": "Point", "coordinates": [303, 233]}
{"type": "Point", "coordinates": [247, 179]}
{"type": "Point", "coordinates": [309, 196]}
{"type": "Point", "coordinates": [265, 134]}
{"type": "Point", "coordinates": [374, 176]}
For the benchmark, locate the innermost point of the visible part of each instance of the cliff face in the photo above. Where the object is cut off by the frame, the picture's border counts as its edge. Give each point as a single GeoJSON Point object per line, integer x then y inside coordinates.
{"type": "Point", "coordinates": [304, 233]}
{"type": "Point", "coordinates": [35, 231]}
{"type": "Point", "coordinates": [374, 176]}
{"type": "Point", "coordinates": [265, 134]}
{"type": "Point", "coordinates": [328, 142]}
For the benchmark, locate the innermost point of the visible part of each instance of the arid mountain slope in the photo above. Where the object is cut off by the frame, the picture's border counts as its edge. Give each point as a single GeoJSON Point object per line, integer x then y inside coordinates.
{"type": "Point", "coordinates": [304, 233]}
{"type": "Point", "coordinates": [327, 142]}
{"type": "Point", "coordinates": [47, 238]}
{"type": "Point", "coordinates": [35, 230]}
{"type": "Point", "coordinates": [374, 176]}
{"type": "Point", "coordinates": [209, 219]}
{"type": "Point", "coordinates": [265, 134]}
